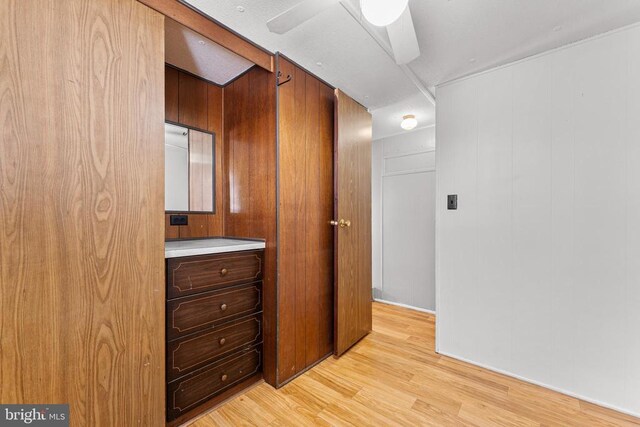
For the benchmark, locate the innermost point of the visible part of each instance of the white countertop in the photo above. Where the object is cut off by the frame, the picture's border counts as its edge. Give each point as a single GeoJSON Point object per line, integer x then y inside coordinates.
{"type": "Point", "coordinates": [180, 248]}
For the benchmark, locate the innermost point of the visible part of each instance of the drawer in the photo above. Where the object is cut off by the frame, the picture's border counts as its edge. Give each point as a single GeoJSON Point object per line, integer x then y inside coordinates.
{"type": "Point", "coordinates": [195, 313]}
{"type": "Point", "coordinates": [192, 275]}
{"type": "Point", "coordinates": [194, 389]}
{"type": "Point", "coordinates": [187, 354]}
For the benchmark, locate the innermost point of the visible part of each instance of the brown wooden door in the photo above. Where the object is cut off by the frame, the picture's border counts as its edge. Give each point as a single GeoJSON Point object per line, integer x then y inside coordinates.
{"type": "Point", "coordinates": [353, 217]}
{"type": "Point", "coordinates": [305, 207]}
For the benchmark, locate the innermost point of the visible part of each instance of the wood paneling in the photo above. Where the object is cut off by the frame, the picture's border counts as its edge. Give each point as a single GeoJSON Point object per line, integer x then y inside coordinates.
{"type": "Point", "coordinates": [353, 191]}
{"type": "Point", "coordinates": [250, 199]}
{"type": "Point", "coordinates": [216, 125]}
{"type": "Point", "coordinates": [212, 30]}
{"type": "Point", "coordinates": [198, 227]}
{"type": "Point", "coordinates": [201, 225]}
{"type": "Point", "coordinates": [171, 94]}
{"type": "Point", "coordinates": [81, 202]}
{"type": "Point", "coordinates": [193, 99]}
{"type": "Point", "coordinates": [305, 251]}
{"type": "Point", "coordinates": [395, 377]}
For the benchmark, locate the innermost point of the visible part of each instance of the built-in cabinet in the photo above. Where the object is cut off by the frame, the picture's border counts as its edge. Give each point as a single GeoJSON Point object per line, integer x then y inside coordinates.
{"type": "Point", "coordinates": [213, 328]}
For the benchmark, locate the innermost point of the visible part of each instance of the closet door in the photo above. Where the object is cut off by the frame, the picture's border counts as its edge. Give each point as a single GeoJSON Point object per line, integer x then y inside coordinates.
{"type": "Point", "coordinates": [352, 223]}
{"type": "Point", "coordinates": [305, 209]}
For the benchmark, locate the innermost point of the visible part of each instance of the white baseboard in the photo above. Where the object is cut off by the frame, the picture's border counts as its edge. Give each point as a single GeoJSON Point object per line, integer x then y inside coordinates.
{"type": "Point", "coordinates": [424, 310]}
{"type": "Point", "coordinates": [538, 383]}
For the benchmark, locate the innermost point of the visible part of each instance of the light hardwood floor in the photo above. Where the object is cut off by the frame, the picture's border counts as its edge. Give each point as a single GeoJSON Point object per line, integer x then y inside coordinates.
{"type": "Point", "coordinates": [394, 377]}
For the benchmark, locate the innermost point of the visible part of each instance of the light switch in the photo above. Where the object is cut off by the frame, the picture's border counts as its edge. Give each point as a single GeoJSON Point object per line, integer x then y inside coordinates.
{"type": "Point", "coordinates": [452, 202]}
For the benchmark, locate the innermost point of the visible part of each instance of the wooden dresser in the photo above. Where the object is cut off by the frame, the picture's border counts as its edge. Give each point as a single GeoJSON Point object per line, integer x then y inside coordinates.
{"type": "Point", "coordinates": [213, 330]}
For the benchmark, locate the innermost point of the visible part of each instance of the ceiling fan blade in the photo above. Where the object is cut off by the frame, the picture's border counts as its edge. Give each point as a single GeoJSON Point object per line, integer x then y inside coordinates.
{"type": "Point", "coordinates": [298, 14]}
{"type": "Point", "coordinates": [403, 39]}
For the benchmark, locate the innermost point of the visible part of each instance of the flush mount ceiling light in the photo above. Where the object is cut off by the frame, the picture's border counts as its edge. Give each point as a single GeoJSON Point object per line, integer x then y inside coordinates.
{"type": "Point", "coordinates": [382, 12]}
{"type": "Point", "coordinates": [409, 122]}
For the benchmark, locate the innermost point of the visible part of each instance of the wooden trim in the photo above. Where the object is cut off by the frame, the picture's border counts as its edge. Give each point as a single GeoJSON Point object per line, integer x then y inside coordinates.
{"type": "Point", "coordinates": [211, 29]}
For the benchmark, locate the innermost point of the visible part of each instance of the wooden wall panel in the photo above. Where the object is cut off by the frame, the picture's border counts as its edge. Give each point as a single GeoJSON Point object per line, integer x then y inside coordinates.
{"type": "Point", "coordinates": [81, 202]}
{"type": "Point", "coordinates": [305, 250]}
{"type": "Point", "coordinates": [250, 201]}
{"type": "Point", "coordinates": [193, 98]}
{"type": "Point", "coordinates": [171, 94]}
{"type": "Point", "coordinates": [207, 108]}
{"type": "Point", "coordinates": [215, 122]}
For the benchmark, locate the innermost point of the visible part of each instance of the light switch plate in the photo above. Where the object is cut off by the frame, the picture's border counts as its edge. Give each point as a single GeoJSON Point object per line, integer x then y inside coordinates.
{"type": "Point", "coordinates": [452, 202]}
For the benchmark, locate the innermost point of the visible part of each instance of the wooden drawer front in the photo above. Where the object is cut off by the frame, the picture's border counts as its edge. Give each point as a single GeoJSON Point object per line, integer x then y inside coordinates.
{"type": "Point", "coordinates": [191, 275]}
{"type": "Point", "coordinates": [190, 391]}
{"type": "Point", "coordinates": [203, 311]}
{"type": "Point", "coordinates": [188, 354]}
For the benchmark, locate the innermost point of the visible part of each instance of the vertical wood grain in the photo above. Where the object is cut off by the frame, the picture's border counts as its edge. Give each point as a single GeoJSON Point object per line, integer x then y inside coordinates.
{"type": "Point", "coordinates": [353, 192]}
{"type": "Point", "coordinates": [305, 250]}
{"type": "Point", "coordinates": [215, 125]}
{"type": "Point", "coordinates": [213, 109]}
{"type": "Point", "coordinates": [81, 203]}
{"type": "Point", "coordinates": [193, 101]}
{"type": "Point", "coordinates": [250, 194]}
{"type": "Point", "coordinates": [171, 94]}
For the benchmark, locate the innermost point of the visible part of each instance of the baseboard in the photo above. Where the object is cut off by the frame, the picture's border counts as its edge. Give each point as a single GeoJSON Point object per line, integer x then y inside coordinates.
{"type": "Point", "coordinates": [541, 384]}
{"type": "Point", "coordinates": [410, 307]}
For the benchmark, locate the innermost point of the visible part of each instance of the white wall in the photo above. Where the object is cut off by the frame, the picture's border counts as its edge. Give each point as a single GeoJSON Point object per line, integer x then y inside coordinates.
{"type": "Point", "coordinates": [539, 268]}
{"type": "Point", "coordinates": [403, 219]}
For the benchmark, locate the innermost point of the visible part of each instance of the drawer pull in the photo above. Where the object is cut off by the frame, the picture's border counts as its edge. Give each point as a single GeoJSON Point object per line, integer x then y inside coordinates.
{"type": "Point", "coordinates": [222, 341]}
{"type": "Point", "coordinates": [223, 307]}
{"type": "Point", "coordinates": [224, 377]}
{"type": "Point", "coordinates": [224, 272]}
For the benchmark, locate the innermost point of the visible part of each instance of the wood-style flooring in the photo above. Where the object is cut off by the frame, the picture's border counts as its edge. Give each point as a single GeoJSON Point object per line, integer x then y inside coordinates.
{"type": "Point", "coordinates": [394, 377]}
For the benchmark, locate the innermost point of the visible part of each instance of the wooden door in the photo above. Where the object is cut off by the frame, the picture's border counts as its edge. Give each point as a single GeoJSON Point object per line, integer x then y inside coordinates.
{"type": "Point", "coordinates": [305, 207]}
{"type": "Point", "coordinates": [352, 317]}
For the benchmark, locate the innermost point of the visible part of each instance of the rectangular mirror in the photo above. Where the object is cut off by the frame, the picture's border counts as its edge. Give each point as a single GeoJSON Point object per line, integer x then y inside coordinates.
{"type": "Point", "coordinates": [189, 170]}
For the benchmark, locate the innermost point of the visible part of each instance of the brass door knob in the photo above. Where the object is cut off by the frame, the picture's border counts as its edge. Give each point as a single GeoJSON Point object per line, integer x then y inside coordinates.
{"type": "Point", "coordinates": [223, 307]}
{"type": "Point", "coordinates": [224, 272]}
{"type": "Point", "coordinates": [224, 377]}
{"type": "Point", "coordinates": [344, 223]}
{"type": "Point", "coordinates": [222, 341]}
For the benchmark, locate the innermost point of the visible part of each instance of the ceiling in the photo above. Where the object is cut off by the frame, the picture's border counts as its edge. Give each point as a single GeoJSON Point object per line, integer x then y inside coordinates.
{"type": "Point", "coordinates": [189, 51]}
{"type": "Point", "coordinates": [456, 37]}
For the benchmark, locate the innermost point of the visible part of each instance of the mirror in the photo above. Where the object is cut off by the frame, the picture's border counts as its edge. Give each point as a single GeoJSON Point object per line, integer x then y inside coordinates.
{"type": "Point", "coordinates": [189, 170]}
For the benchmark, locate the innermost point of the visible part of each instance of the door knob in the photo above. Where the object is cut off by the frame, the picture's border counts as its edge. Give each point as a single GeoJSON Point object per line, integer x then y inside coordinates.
{"type": "Point", "coordinates": [342, 223]}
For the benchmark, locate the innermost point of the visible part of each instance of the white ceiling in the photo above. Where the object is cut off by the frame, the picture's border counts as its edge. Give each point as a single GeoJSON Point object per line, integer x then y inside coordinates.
{"type": "Point", "coordinates": [457, 37]}
{"type": "Point", "coordinates": [189, 51]}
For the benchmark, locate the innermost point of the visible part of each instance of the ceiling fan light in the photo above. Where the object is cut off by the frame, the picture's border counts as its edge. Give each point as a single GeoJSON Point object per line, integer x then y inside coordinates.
{"type": "Point", "coordinates": [409, 122]}
{"type": "Point", "coordinates": [382, 12]}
